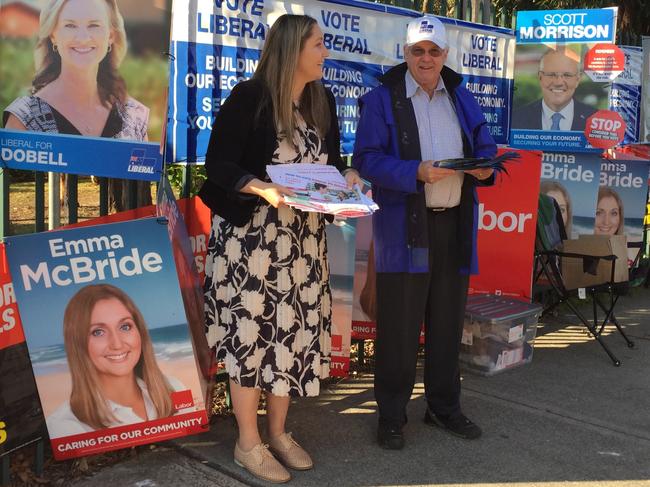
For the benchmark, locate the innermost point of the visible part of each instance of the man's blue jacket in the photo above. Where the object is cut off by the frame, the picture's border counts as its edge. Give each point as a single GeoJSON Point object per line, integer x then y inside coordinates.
{"type": "Point", "coordinates": [387, 153]}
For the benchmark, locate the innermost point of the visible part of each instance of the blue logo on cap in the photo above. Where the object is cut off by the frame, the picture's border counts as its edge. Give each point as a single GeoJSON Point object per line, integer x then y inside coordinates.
{"type": "Point", "coordinates": [426, 27]}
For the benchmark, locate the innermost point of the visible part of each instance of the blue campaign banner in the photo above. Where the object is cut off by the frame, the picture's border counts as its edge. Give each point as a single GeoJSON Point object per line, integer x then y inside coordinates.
{"type": "Point", "coordinates": [626, 93]}
{"type": "Point", "coordinates": [215, 46]}
{"type": "Point", "coordinates": [201, 78]}
{"type": "Point", "coordinates": [37, 151]}
{"type": "Point", "coordinates": [494, 96]}
{"type": "Point", "coordinates": [348, 81]}
{"type": "Point", "coordinates": [566, 26]}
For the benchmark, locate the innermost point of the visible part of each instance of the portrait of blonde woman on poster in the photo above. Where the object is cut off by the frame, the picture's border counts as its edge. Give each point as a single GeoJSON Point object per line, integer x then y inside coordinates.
{"type": "Point", "coordinates": [559, 193]}
{"type": "Point", "coordinates": [609, 213]}
{"type": "Point", "coordinates": [267, 295]}
{"type": "Point", "coordinates": [77, 88]}
{"type": "Point", "coordinates": [115, 378]}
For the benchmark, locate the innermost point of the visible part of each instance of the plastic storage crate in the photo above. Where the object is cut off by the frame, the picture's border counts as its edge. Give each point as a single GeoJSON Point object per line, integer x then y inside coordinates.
{"type": "Point", "coordinates": [498, 333]}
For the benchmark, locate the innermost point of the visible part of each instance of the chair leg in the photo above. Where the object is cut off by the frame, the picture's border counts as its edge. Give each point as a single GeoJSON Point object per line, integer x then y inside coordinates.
{"type": "Point", "coordinates": [594, 332]}
{"type": "Point", "coordinates": [609, 316]}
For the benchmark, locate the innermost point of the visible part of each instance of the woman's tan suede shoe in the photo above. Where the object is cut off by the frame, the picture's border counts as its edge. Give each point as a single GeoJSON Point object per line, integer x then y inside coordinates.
{"type": "Point", "coordinates": [261, 463]}
{"type": "Point", "coordinates": [290, 453]}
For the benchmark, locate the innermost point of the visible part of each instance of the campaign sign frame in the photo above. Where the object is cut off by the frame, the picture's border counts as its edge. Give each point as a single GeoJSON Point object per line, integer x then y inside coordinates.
{"type": "Point", "coordinates": [572, 179]}
{"type": "Point", "coordinates": [216, 46]}
{"type": "Point", "coordinates": [107, 335]}
{"type": "Point", "coordinates": [562, 76]}
{"type": "Point", "coordinates": [115, 130]}
{"type": "Point", "coordinates": [21, 418]}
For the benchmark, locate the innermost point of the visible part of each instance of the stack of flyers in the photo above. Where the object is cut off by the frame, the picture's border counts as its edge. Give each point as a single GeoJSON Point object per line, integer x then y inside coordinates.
{"type": "Point", "coordinates": [469, 163]}
{"type": "Point", "coordinates": [321, 188]}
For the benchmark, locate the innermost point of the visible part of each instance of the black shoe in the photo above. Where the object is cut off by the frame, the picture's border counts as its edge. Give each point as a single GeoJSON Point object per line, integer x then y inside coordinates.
{"type": "Point", "coordinates": [390, 437]}
{"type": "Point", "coordinates": [458, 424]}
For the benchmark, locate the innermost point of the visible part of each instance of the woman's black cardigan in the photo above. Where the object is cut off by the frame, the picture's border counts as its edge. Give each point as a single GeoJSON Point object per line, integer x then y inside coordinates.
{"type": "Point", "coordinates": [241, 144]}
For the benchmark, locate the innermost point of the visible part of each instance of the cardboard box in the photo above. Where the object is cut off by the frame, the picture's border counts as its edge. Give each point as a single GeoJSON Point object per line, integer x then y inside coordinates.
{"type": "Point", "coordinates": [579, 273]}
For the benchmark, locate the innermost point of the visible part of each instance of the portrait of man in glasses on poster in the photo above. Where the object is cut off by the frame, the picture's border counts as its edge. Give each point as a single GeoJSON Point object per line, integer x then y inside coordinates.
{"type": "Point", "coordinates": [559, 74]}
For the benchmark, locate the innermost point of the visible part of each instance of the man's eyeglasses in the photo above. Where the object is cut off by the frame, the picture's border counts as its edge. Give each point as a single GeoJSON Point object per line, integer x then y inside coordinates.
{"type": "Point", "coordinates": [562, 76]}
{"type": "Point", "coordinates": [420, 51]}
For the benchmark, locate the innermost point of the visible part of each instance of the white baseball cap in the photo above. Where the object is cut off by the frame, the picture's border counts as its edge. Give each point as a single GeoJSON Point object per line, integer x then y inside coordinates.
{"type": "Point", "coordinates": [426, 28]}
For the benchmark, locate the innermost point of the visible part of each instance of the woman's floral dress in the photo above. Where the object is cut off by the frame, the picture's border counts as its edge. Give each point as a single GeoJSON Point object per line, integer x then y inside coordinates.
{"type": "Point", "coordinates": [268, 300]}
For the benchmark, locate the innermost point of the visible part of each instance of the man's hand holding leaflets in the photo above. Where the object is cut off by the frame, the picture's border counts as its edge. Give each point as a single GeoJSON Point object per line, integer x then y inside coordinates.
{"type": "Point", "coordinates": [471, 164]}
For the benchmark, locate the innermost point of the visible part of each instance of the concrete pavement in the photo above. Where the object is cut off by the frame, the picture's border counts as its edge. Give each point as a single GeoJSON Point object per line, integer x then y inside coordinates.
{"type": "Point", "coordinates": [568, 418]}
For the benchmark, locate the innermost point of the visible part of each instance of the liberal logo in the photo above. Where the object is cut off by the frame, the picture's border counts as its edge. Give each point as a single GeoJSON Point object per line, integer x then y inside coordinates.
{"type": "Point", "coordinates": [426, 27]}
{"type": "Point", "coordinates": [138, 162]}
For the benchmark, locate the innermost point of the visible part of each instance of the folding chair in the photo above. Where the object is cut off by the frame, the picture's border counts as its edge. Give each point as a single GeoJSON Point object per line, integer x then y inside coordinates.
{"type": "Point", "coordinates": [549, 283]}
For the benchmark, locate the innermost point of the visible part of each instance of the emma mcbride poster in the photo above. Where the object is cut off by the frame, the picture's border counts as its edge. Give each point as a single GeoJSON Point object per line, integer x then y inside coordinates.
{"type": "Point", "coordinates": [572, 179]}
{"type": "Point", "coordinates": [107, 336]}
{"type": "Point", "coordinates": [83, 86]}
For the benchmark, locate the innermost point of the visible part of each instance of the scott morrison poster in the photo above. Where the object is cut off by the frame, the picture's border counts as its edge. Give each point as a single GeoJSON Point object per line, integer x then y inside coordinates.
{"type": "Point", "coordinates": [83, 86]}
{"type": "Point", "coordinates": [565, 64]}
{"type": "Point", "coordinates": [216, 45]}
{"type": "Point", "coordinates": [107, 335]}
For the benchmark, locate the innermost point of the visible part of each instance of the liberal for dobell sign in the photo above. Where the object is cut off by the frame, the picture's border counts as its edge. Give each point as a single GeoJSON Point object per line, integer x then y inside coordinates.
{"type": "Point", "coordinates": [565, 64]}
{"type": "Point", "coordinates": [108, 336]}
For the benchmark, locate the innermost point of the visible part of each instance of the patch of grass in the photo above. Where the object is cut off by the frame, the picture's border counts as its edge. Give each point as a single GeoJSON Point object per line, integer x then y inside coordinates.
{"type": "Point", "coordinates": [22, 205]}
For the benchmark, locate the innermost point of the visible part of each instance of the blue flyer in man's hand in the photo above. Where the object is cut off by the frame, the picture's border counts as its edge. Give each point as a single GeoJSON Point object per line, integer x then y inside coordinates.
{"type": "Point", "coordinates": [470, 163]}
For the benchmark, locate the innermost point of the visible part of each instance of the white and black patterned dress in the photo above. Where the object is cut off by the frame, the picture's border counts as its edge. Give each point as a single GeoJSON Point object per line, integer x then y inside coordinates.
{"type": "Point", "coordinates": [268, 300]}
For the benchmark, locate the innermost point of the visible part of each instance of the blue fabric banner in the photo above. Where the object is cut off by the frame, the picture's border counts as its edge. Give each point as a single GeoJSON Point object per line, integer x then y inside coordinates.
{"type": "Point", "coordinates": [217, 45]}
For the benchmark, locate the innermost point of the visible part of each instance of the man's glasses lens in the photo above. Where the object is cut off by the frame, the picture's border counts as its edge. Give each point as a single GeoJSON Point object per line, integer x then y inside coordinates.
{"type": "Point", "coordinates": [433, 52]}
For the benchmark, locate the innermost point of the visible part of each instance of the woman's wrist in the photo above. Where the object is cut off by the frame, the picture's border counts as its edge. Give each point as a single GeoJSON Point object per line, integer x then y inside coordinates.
{"type": "Point", "coordinates": [255, 187]}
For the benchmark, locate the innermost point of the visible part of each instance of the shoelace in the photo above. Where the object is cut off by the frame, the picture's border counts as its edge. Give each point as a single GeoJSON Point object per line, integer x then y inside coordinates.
{"type": "Point", "coordinates": [265, 453]}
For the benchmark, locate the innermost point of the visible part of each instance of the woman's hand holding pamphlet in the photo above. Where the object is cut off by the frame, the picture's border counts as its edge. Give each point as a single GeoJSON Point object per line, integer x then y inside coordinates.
{"type": "Point", "coordinates": [320, 188]}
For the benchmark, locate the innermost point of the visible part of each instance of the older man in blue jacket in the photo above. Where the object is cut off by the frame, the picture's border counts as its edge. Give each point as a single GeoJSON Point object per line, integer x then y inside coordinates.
{"type": "Point", "coordinates": [424, 233]}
